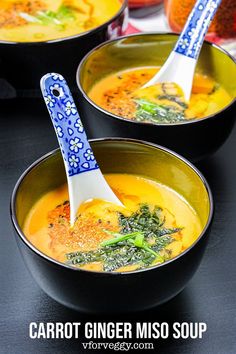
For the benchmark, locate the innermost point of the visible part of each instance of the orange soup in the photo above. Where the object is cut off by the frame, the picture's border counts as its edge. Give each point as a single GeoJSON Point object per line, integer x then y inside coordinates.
{"type": "Point", "coordinates": [43, 20]}
{"type": "Point", "coordinates": [121, 94]}
{"type": "Point", "coordinates": [155, 225]}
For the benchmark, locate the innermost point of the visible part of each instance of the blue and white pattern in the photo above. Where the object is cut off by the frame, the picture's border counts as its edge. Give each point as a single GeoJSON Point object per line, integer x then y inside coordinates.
{"type": "Point", "coordinates": [57, 77]}
{"type": "Point", "coordinates": [70, 108]}
{"type": "Point", "coordinates": [76, 150]}
{"type": "Point", "coordinates": [89, 156]}
{"type": "Point", "coordinates": [193, 34]}
{"type": "Point", "coordinates": [58, 88]}
{"type": "Point", "coordinates": [79, 126]}
{"type": "Point", "coordinates": [59, 131]}
{"type": "Point", "coordinates": [50, 101]}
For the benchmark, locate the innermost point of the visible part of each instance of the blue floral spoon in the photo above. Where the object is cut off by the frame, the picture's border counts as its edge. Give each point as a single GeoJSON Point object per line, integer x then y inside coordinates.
{"type": "Point", "coordinates": [84, 177]}
{"type": "Point", "coordinates": [180, 65]}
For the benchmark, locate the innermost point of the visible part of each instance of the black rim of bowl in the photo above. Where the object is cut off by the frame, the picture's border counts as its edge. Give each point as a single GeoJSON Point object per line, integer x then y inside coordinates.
{"type": "Point", "coordinates": [114, 116]}
{"type": "Point", "coordinates": [124, 5]}
{"type": "Point", "coordinates": [135, 141]}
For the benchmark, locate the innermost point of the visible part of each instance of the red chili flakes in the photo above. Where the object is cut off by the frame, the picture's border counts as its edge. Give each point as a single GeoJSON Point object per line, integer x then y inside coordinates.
{"type": "Point", "coordinates": [87, 232]}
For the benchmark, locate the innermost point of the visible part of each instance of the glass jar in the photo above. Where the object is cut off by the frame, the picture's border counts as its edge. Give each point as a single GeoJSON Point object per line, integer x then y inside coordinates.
{"type": "Point", "coordinates": [223, 25]}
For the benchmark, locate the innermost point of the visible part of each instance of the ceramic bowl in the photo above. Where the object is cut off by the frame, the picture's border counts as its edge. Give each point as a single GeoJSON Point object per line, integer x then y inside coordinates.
{"type": "Point", "coordinates": [195, 139]}
{"type": "Point", "coordinates": [23, 64]}
{"type": "Point", "coordinates": [95, 292]}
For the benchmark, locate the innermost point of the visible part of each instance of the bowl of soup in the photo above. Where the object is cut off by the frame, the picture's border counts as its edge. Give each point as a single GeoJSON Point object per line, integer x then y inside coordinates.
{"type": "Point", "coordinates": [111, 254]}
{"type": "Point", "coordinates": [109, 80]}
{"type": "Point", "coordinates": [40, 36]}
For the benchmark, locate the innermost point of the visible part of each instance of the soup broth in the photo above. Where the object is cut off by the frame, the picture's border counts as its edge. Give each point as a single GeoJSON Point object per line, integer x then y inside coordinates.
{"type": "Point", "coordinates": [155, 225]}
{"type": "Point", "coordinates": [43, 20]}
{"type": "Point", "coordinates": [122, 95]}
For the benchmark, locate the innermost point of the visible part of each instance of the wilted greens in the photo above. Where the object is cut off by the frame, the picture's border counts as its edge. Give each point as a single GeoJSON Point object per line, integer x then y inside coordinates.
{"type": "Point", "coordinates": [153, 112]}
{"type": "Point", "coordinates": [141, 238]}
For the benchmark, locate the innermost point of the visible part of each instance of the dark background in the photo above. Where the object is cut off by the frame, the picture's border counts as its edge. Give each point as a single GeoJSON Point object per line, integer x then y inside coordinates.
{"type": "Point", "coordinates": [25, 134]}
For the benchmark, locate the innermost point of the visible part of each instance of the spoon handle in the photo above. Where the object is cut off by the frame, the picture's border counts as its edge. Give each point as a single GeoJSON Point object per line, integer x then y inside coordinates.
{"type": "Point", "coordinates": [77, 153]}
{"type": "Point", "coordinates": [195, 29]}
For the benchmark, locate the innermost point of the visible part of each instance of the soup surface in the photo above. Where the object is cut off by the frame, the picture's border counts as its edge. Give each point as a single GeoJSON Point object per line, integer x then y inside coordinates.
{"type": "Point", "coordinates": [122, 95]}
{"type": "Point", "coordinates": [43, 20]}
{"type": "Point", "coordinates": [155, 225]}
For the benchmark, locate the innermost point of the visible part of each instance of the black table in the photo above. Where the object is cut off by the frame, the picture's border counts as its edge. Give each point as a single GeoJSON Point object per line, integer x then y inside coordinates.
{"type": "Point", "coordinates": [26, 134]}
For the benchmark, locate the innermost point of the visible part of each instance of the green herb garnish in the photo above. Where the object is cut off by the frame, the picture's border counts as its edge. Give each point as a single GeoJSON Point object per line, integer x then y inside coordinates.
{"type": "Point", "coordinates": [141, 238]}
{"type": "Point", "coordinates": [59, 18]}
{"type": "Point", "coordinates": [152, 112]}
{"type": "Point", "coordinates": [29, 18]}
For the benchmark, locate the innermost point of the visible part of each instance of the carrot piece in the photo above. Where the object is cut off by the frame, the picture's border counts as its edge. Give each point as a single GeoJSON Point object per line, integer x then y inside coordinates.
{"type": "Point", "coordinates": [202, 84]}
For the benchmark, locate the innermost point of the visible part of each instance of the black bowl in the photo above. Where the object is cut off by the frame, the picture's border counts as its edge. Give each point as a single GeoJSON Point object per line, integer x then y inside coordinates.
{"type": "Point", "coordinates": [23, 64]}
{"type": "Point", "coordinates": [114, 292]}
{"type": "Point", "coordinates": [194, 139]}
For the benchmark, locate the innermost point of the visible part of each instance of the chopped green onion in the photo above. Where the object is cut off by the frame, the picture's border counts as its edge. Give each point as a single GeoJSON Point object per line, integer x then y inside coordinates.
{"type": "Point", "coordinates": [29, 18]}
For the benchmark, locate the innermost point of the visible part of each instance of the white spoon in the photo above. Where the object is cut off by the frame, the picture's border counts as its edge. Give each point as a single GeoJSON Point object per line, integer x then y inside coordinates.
{"type": "Point", "coordinates": [84, 177]}
{"type": "Point", "coordinates": [180, 66]}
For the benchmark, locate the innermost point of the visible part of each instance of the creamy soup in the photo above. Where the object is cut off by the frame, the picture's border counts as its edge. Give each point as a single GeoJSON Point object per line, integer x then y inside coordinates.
{"type": "Point", "coordinates": [122, 94]}
{"type": "Point", "coordinates": [155, 225]}
{"type": "Point", "coordinates": [43, 20]}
